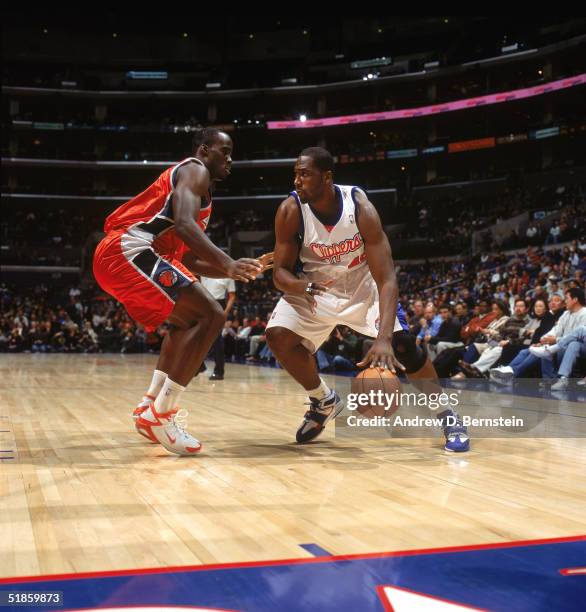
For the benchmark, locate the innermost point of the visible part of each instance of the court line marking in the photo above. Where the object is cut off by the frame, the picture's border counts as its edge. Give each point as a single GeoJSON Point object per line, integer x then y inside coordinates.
{"type": "Point", "coordinates": [316, 550]}
{"type": "Point", "coordinates": [293, 561]}
{"type": "Point", "coordinates": [573, 571]}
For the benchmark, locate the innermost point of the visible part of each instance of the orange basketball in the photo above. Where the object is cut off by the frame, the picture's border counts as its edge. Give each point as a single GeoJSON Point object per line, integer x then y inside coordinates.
{"type": "Point", "coordinates": [382, 388]}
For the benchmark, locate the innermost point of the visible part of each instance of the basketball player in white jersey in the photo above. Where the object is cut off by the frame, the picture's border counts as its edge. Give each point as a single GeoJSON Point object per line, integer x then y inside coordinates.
{"type": "Point", "coordinates": [347, 277]}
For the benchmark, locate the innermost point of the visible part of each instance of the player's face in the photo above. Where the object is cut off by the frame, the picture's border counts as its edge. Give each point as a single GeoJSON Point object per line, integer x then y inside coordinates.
{"type": "Point", "coordinates": [220, 157]}
{"type": "Point", "coordinates": [309, 181]}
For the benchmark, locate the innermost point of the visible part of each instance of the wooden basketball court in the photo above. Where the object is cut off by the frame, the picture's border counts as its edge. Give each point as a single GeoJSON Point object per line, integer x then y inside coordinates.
{"type": "Point", "coordinates": [80, 491]}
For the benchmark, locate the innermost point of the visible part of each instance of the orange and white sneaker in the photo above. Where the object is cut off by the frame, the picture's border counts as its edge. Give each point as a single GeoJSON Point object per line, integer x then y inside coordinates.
{"type": "Point", "coordinates": [141, 407]}
{"type": "Point", "coordinates": [165, 430]}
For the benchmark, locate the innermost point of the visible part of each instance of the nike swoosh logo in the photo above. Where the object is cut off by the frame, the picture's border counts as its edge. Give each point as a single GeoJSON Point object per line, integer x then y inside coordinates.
{"type": "Point", "coordinates": [172, 440]}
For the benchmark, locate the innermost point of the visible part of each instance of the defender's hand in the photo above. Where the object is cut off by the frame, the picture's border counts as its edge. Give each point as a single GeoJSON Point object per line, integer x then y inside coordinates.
{"type": "Point", "coordinates": [244, 269]}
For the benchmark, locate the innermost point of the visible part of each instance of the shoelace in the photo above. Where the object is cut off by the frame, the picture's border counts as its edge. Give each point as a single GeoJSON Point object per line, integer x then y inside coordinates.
{"type": "Point", "coordinates": [180, 420]}
{"type": "Point", "coordinates": [312, 405]}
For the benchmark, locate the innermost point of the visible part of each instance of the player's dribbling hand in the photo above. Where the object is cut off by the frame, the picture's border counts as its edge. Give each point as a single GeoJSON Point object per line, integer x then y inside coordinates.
{"type": "Point", "coordinates": [244, 269]}
{"type": "Point", "coordinates": [381, 355]}
{"type": "Point", "coordinates": [266, 260]}
{"type": "Point", "coordinates": [310, 290]}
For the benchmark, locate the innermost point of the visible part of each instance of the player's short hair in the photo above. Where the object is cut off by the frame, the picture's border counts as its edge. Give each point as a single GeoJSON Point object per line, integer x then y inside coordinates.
{"type": "Point", "coordinates": [205, 136]}
{"type": "Point", "coordinates": [321, 158]}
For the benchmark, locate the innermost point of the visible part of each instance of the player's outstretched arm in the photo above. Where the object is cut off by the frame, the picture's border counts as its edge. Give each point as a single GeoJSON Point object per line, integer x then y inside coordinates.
{"type": "Point", "coordinates": [200, 267]}
{"type": "Point", "coordinates": [192, 184]}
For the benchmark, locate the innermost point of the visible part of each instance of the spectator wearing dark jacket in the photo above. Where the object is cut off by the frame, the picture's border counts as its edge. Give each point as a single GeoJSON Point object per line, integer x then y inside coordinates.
{"type": "Point", "coordinates": [448, 335]}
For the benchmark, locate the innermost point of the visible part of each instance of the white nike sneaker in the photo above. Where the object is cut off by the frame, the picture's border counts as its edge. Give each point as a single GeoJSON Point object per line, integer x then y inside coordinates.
{"type": "Point", "coordinates": [169, 433]}
{"type": "Point", "coordinates": [146, 401]}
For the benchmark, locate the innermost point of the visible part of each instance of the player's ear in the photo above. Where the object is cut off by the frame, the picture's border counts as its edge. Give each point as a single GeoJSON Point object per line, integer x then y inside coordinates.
{"type": "Point", "coordinates": [329, 176]}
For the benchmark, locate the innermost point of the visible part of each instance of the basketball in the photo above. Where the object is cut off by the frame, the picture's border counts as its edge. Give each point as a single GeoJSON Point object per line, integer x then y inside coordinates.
{"type": "Point", "coordinates": [370, 382]}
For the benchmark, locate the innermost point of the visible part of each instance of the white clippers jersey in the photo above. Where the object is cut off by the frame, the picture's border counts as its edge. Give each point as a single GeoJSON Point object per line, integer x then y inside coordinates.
{"type": "Point", "coordinates": [333, 252]}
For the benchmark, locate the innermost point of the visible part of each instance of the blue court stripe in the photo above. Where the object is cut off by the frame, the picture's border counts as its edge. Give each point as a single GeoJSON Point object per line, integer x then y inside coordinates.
{"type": "Point", "coordinates": [6, 451]}
{"type": "Point", "coordinates": [315, 550]}
{"type": "Point", "coordinates": [5, 458]}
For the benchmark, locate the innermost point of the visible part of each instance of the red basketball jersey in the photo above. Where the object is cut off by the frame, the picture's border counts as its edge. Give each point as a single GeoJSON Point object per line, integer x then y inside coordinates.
{"type": "Point", "coordinates": [147, 220]}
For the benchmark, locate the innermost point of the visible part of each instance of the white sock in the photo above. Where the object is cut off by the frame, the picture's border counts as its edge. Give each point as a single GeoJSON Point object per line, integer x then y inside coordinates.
{"type": "Point", "coordinates": [320, 392]}
{"type": "Point", "coordinates": [168, 396]}
{"type": "Point", "coordinates": [156, 385]}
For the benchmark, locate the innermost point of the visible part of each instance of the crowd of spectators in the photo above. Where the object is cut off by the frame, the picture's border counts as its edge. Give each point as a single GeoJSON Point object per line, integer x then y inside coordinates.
{"type": "Point", "coordinates": [458, 310]}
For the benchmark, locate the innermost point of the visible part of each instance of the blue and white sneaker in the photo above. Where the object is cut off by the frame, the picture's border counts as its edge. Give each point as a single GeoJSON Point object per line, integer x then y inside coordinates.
{"type": "Point", "coordinates": [318, 415]}
{"type": "Point", "coordinates": [457, 440]}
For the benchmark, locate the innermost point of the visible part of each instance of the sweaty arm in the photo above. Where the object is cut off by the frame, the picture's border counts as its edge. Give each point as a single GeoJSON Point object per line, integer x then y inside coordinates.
{"type": "Point", "coordinates": [192, 184]}
{"type": "Point", "coordinates": [380, 262]}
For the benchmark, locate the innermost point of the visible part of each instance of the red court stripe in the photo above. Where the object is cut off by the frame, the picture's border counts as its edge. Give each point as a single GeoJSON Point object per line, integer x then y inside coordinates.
{"type": "Point", "coordinates": [296, 561]}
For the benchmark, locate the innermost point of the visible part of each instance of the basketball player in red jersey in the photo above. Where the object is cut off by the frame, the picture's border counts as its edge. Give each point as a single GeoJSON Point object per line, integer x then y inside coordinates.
{"type": "Point", "coordinates": [154, 246]}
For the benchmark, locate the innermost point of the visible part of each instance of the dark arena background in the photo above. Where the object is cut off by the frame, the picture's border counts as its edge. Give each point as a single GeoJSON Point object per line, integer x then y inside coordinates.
{"type": "Point", "coordinates": [468, 135]}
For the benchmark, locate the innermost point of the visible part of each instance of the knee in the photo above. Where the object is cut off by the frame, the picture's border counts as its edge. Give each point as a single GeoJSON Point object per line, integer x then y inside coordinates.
{"type": "Point", "coordinates": [279, 339]}
{"type": "Point", "coordinates": [408, 352]}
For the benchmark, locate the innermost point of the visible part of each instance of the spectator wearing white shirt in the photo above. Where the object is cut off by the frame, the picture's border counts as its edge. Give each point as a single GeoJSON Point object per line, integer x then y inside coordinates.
{"type": "Point", "coordinates": [572, 319]}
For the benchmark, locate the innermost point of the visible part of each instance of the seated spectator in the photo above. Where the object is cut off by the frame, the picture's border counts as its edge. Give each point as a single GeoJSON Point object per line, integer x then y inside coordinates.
{"type": "Point", "coordinates": [573, 318]}
{"type": "Point", "coordinates": [509, 332]}
{"type": "Point", "coordinates": [242, 340]}
{"type": "Point", "coordinates": [568, 350]}
{"type": "Point", "coordinates": [483, 317]}
{"type": "Point", "coordinates": [40, 337]}
{"type": "Point", "coordinates": [515, 365]}
{"type": "Point", "coordinates": [340, 351]}
{"type": "Point", "coordinates": [257, 339]}
{"type": "Point", "coordinates": [490, 336]}
{"type": "Point", "coordinates": [448, 335]}
{"type": "Point", "coordinates": [462, 313]}
{"type": "Point", "coordinates": [430, 324]}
